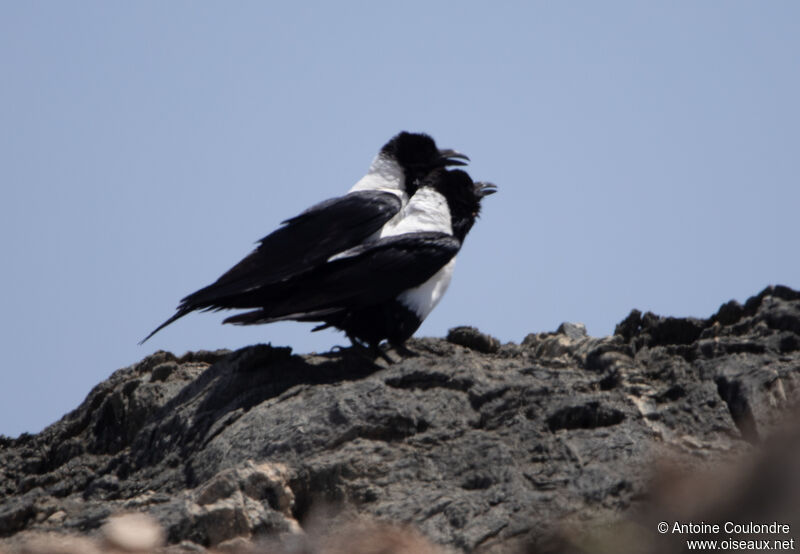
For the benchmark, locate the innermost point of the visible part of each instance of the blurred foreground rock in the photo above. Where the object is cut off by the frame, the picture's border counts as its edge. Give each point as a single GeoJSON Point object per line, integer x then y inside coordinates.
{"type": "Point", "coordinates": [479, 446]}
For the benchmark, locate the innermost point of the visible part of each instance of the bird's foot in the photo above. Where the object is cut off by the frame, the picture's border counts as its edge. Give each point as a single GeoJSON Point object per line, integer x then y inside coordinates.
{"type": "Point", "coordinates": [404, 351]}
{"type": "Point", "coordinates": [366, 352]}
{"type": "Point", "coordinates": [371, 351]}
{"type": "Point", "coordinates": [379, 351]}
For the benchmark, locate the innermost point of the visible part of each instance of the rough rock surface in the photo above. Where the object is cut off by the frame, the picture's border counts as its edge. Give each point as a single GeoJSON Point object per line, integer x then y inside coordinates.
{"type": "Point", "coordinates": [483, 447]}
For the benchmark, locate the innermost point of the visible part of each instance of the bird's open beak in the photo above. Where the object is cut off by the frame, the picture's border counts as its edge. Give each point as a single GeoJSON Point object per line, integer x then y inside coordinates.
{"type": "Point", "coordinates": [485, 189]}
{"type": "Point", "coordinates": [452, 157]}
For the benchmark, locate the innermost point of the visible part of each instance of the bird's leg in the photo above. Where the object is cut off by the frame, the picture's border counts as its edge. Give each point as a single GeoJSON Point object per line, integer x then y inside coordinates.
{"type": "Point", "coordinates": [404, 351]}
{"type": "Point", "coordinates": [378, 351]}
{"type": "Point", "coordinates": [355, 346]}
{"type": "Point", "coordinates": [367, 350]}
{"type": "Point", "coordinates": [359, 348]}
{"type": "Point", "coordinates": [354, 342]}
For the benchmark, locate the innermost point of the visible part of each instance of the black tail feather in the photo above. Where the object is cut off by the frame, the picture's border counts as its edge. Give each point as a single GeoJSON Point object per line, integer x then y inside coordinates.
{"type": "Point", "coordinates": [265, 315]}
{"type": "Point", "coordinates": [248, 318]}
{"type": "Point", "coordinates": [179, 314]}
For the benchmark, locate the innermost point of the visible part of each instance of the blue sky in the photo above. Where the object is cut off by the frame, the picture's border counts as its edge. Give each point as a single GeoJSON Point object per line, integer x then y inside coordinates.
{"type": "Point", "coordinates": [646, 154]}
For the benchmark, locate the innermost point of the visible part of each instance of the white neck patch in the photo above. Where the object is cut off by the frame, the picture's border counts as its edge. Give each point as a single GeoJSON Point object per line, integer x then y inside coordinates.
{"type": "Point", "coordinates": [384, 174]}
{"type": "Point", "coordinates": [427, 210]}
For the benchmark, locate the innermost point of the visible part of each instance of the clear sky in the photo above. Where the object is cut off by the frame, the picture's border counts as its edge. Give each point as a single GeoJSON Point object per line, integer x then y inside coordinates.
{"type": "Point", "coordinates": [647, 156]}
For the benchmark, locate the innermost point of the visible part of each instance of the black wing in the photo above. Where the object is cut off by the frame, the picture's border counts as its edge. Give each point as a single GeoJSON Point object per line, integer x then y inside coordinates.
{"type": "Point", "coordinates": [299, 245]}
{"type": "Point", "coordinates": [303, 242]}
{"type": "Point", "coordinates": [370, 274]}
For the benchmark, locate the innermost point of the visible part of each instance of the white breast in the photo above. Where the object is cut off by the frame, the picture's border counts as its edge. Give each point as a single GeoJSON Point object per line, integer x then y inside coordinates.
{"type": "Point", "coordinates": [426, 211]}
{"type": "Point", "coordinates": [424, 298]}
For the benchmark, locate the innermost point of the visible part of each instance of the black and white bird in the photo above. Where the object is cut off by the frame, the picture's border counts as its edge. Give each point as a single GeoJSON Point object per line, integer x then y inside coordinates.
{"type": "Point", "coordinates": [328, 228]}
{"type": "Point", "coordinates": [384, 290]}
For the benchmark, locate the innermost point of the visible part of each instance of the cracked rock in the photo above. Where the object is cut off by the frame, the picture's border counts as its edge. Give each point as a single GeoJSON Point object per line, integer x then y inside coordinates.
{"type": "Point", "coordinates": [480, 447]}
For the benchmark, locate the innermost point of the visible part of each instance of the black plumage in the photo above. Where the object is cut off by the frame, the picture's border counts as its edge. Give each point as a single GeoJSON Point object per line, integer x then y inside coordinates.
{"type": "Point", "coordinates": [375, 292]}
{"type": "Point", "coordinates": [326, 229]}
{"type": "Point", "coordinates": [366, 276]}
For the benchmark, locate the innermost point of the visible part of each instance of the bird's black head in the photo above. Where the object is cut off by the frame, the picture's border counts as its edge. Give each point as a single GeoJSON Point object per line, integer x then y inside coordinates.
{"type": "Point", "coordinates": [463, 197]}
{"type": "Point", "coordinates": [417, 154]}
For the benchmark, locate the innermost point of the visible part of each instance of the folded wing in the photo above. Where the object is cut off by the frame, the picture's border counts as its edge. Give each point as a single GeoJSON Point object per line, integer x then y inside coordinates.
{"type": "Point", "coordinates": [300, 244]}
{"type": "Point", "coordinates": [368, 275]}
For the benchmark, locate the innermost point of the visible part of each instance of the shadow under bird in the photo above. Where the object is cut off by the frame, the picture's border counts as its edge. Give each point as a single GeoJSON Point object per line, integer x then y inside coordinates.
{"type": "Point", "coordinates": [328, 228]}
{"type": "Point", "coordinates": [384, 289]}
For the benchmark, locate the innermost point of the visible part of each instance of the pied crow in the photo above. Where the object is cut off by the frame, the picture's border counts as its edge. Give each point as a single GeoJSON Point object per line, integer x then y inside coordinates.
{"type": "Point", "coordinates": [327, 228]}
{"type": "Point", "coordinates": [386, 288]}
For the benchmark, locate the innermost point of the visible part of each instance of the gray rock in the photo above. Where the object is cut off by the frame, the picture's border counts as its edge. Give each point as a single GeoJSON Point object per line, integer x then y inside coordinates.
{"type": "Point", "coordinates": [572, 330]}
{"type": "Point", "coordinates": [480, 446]}
{"type": "Point", "coordinates": [474, 339]}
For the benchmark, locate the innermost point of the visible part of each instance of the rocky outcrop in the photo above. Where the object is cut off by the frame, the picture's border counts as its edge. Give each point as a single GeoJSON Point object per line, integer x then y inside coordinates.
{"type": "Point", "coordinates": [481, 446]}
